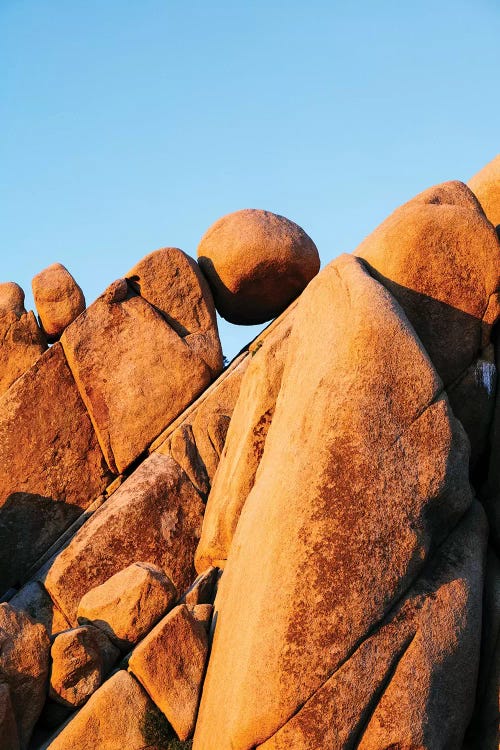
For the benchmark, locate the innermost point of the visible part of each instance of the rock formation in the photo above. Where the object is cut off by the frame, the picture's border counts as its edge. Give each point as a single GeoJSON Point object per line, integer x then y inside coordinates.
{"type": "Point", "coordinates": [336, 489]}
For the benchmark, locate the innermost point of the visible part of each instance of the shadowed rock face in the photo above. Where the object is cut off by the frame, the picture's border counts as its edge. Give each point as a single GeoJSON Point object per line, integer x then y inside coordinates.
{"type": "Point", "coordinates": [51, 465]}
{"type": "Point", "coordinates": [364, 460]}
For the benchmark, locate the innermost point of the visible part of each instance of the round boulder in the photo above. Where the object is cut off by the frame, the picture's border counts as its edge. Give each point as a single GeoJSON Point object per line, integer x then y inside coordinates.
{"type": "Point", "coordinates": [58, 299]}
{"type": "Point", "coordinates": [256, 263]}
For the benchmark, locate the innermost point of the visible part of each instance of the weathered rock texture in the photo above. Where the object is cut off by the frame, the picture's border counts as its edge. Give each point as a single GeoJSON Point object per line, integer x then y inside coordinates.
{"type": "Point", "coordinates": [128, 604]}
{"type": "Point", "coordinates": [155, 517]}
{"type": "Point", "coordinates": [388, 483]}
{"type": "Point", "coordinates": [24, 668]}
{"type": "Point", "coordinates": [77, 666]}
{"type": "Point", "coordinates": [244, 445]}
{"type": "Point", "coordinates": [172, 282]}
{"type": "Point", "coordinates": [58, 299]}
{"type": "Point", "coordinates": [170, 664]}
{"type": "Point", "coordinates": [119, 715]}
{"type": "Point", "coordinates": [21, 340]}
{"type": "Point", "coordinates": [256, 263]}
{"type": "Point", "coordinates": [121, 344]}
{"type": "Point", "coordinates": [51, 465]}
{"type": "Point", "coordinates": [486, 186]}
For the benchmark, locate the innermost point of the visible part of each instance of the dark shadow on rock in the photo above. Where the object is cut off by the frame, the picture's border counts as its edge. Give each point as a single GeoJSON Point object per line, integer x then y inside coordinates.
{"type": "Point", "coordinates": [29, 524]}
{"type": "Point", "coordinates": [247, 306]}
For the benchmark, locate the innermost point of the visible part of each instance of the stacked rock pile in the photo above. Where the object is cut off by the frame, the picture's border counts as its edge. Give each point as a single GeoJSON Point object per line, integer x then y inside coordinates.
{"type": "Point", "coordinates": [336, 489]}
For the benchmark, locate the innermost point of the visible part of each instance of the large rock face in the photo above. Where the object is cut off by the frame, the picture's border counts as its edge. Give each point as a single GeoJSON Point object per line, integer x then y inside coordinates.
{"type": "Point", "coordinates": [21, 340]}
{"type": "Point", "coordinates": [24, 667]}
{"type": "Point", "coordinates": [155, 516]}
{"type": "Point", "coordinates": [245, 442]}
{"type": "Point", "coordinates": [363, 460]}
{"type": "Point", "coordinates": [486, 185]}
{"type": "Point", "coordinates": [256, 262]}
{"type": "Point", "coordinates": [51, 465]}
{"type": "Point", "coordinates": [172, 282]}
{"type": "Point", "coordinates": [440, 258]}
{"type": "Point", "coordinates": [121, 344]}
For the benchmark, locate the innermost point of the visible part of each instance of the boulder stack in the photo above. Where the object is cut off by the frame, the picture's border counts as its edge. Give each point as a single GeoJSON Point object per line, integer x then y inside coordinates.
{"type": "Point", "coordinates": [336, 488]}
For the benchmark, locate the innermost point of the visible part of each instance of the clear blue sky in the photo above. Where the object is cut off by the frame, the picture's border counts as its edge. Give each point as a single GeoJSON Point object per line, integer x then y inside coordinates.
{"type": "Point", "coordinates": [128, 125]}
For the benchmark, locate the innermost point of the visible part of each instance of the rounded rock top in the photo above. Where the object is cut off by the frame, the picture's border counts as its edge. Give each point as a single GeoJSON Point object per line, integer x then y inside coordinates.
{"type": "Point", "coordinates": [256, 263]}
{"type": "Point", "coordinates": [58, 299]}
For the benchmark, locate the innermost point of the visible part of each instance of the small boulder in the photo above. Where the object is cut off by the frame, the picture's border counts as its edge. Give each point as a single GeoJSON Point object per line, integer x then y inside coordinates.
{"type": "Point", "coordinates": [170, 664]}
{"type": "Point", "coordinates": [256, 263]}
{"type": "Point", "coordinates": [129, 603]}
{"type": "Point", "coordinates": [202, 613]}
{"type": "Point", "coordinates": [11, 298]}
{"type": "Point", "coordinates": [81, 659]}
{"type": "Point", "coordinates": [24, 667]}
{"type": "Point", "coordinates": [118, 715]}
{"type": "Point", "coordinates": [486, 186]}
{"type": "Point", "coordinates": [58, 299]}
{"type": "Point", "coordinates": [77, 667]}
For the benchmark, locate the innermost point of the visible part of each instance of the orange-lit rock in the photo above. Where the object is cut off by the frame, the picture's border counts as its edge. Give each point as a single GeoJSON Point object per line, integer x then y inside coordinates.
{"type": "Point", "coordinates": [244, 445]}
{"type": "Point", "coordinates": [21, 340]}
{"type": "Point", "coordinates": [77, 666]}
{"type": "Point", "coordinates": [119, 716]}
{"type": "Point", "coordinates": [122, 345]}
{"type": "Point", "coordinates": [172, 282]}
{"type": "Point", "coordinates": [256, 263]}
{"type": "Point", "coordinates": [155, 516]}
{"type": "Point", "coordinates": [363, 476]}
{"type": "Point", "coordinates": [58, 299]}
{"type": "Point", "coordinates": [486, 185]}
{"type": "Point", "coordinates": [51, 465]}
{"type": "Point", "coordinates": [170, 663]}
{"type": "Point", "coordinates": [440, 258]}
{"type": "Point", "coordinates": [398, 685]}
{"type": "Point", "coordinates": [128, 604]}
{"type": "Point", "coordinates": [24, 667]}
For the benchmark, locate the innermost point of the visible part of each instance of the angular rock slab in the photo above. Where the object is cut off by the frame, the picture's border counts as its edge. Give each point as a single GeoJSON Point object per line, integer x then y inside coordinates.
{"type": "Point", "coordinates": [155, 516]}
{"type": "Point", "coordinates": [173, 282]}
{"type": "Point", "coordinates": [170, 664]}
{"type": "Point", "coordinates": [21, 344]}
{"type": "Point", "coordinates": [245, 443]}
{"type": "Point", "coordinates": [440, 258]}
{"type": "Point", "coordinates": [119, 715]}
{"type": "Point", "coordinates": [51, 465]}
{"type": "Point", "coordinates": [58, 299]}
{"type": "Point", "coordinates": [364, 460]}
{"type": "Point", "coordinates": [128, 604]}
{"type": "Point", "coordinates": [411, 684]}
{"type": "Point", "coordinates": [134, 372]}
{"type": "Point", "coordinates": [24, 667]}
